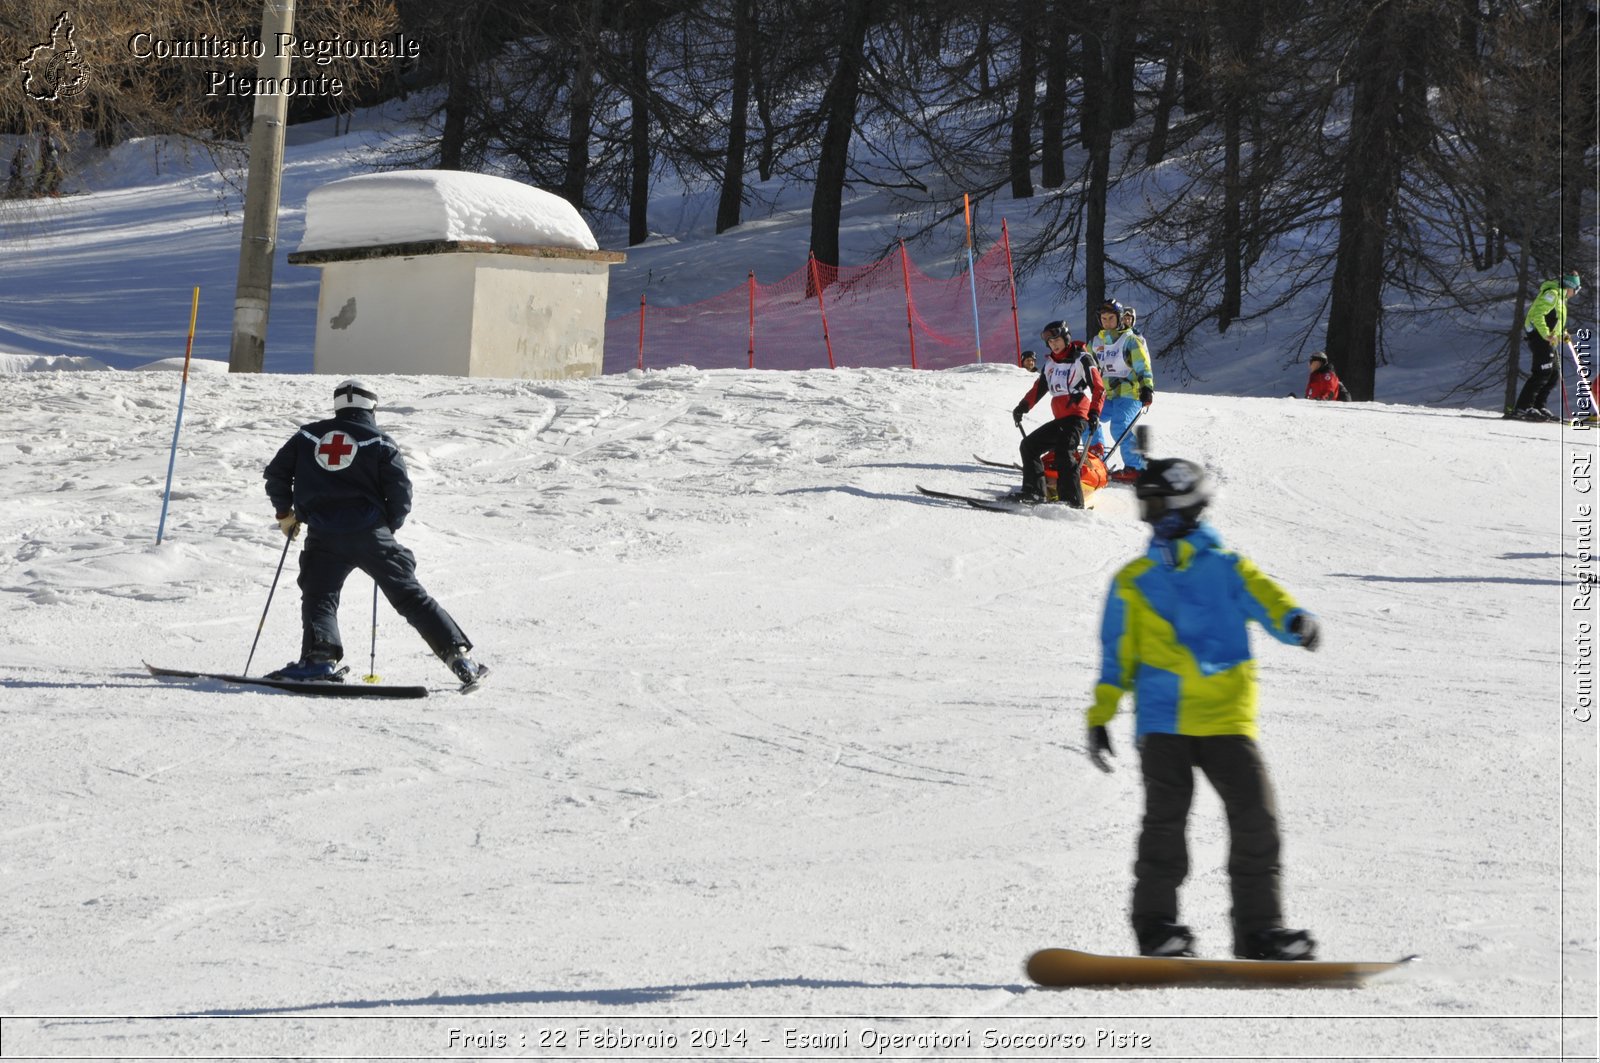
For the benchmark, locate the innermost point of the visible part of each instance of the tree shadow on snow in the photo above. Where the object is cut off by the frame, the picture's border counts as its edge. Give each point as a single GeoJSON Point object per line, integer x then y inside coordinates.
{"type": "Point", "coordinates": [881, 496]}
{"type": "Point", "coordinates": [605, 997]}
{"type": "Point", "coordinates": [1519, 580]}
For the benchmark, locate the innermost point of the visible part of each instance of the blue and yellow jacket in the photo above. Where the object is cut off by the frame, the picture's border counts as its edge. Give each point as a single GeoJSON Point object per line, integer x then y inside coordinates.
{"type": "Point", "coordinates": [1124, 362]}
{"type": "Point", "coordinates": [1175, 632]}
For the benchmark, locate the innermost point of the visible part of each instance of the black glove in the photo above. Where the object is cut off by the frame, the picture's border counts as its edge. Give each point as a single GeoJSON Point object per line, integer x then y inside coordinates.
{"type": "Point", "coordinates": [1146, 395]}
{"type": "Point", "coordinates": [1094, 429]}
{"type": "Point", "coordinates": [1016, 414]}
{"type": "Point", "coordinates": [1305, 627]}
{"type": "Point", "coordinates": [1100, 749]}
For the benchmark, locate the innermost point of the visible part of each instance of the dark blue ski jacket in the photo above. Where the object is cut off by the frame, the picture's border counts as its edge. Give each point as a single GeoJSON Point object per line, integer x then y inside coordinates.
{"type": "Point", "coordinates": [341, 475]}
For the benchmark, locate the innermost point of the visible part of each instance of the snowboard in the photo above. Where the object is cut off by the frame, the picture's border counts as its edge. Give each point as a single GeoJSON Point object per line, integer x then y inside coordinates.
{"type": "Point", "coordinates": [1062, 968]}
{"type": "Point", "coordinates": [318, 688]}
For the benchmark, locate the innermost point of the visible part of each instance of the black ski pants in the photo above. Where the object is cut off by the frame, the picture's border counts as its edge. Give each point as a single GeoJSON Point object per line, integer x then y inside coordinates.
{"type": "Point", "coordinates": [1542, 376]}
{"type": "Point", "coordinates": [1233, 765]}
{"type": "Point", "coordinates": [1061, 435]}
{"type": "Point", "coordinates": [327, 561]}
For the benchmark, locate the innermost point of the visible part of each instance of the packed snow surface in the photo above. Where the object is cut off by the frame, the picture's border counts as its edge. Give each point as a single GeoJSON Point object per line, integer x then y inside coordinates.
{"type": "Point", "coordinates": [411, 205]}
{"type": "Point", "coordinates": [774, 748]}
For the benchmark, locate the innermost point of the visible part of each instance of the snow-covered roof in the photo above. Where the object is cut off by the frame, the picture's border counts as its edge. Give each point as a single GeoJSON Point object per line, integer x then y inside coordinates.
{"type": "Point", "coordinates": [406, 206]}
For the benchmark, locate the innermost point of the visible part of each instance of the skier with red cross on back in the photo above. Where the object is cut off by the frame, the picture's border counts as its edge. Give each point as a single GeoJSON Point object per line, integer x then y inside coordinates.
{"type": "Point", "coordinates": [344, 479]}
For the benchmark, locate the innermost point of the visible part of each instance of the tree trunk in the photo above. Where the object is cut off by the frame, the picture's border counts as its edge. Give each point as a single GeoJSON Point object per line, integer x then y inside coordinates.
{"type": "Point", "coordinates": [576, 178]}
{"type": "Point", "coordinates": [1053, 109]}
{"type": "Point", "coordinates": [1097, 141]}
{"type": "Point", "coordinates": [1162, 120]}
{"type": "Point", "coordinates": [1121, 38]}
{"type": "Point", "coordinates": [1094, 92]}
{"type": "Point", "coordinates": [1232, 228]}
{"type": "Point", "coordinates": [639, 135]}
{"type": "Point", "coordinates": [1514, 341]}
{"type": "Point", "coordinates": [1196, 71]}
{"type": "Point", "coordinates": [457, 110]}
{"type": "Point", "coordinates": [1578, 106]}
{"type": "Point", "coordinates": [731, 202]}
{"type": "Point", "coordinates": [1374, 157]}
{"type": "Point", "coordinates": [839, 112]}
{"type": "Point", "coordinates": [1022, 117]}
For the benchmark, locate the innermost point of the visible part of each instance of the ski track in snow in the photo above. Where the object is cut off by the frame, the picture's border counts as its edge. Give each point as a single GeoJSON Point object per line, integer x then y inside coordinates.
{"type": "Point", "coordinates": [768, 732]}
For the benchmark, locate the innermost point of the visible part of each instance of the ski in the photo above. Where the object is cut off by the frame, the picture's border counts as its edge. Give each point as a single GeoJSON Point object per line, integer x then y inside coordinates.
{"type": "Point", "coordinates": [997, 464]}
{"type": "Point", "coordinates": [1063, 968]}
{"type": "Point", "coordinates": [993, 505]}
{"type": "Point", "coordinates": [319, 688]}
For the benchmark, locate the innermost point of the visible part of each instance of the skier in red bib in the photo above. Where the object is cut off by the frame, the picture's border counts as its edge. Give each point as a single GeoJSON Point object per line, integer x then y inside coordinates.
{"type": "Point", "coordinates": [1070, 376]}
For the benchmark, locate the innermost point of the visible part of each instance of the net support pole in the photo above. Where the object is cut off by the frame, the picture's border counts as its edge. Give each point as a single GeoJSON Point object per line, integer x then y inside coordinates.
{"type": "Point", "coordinates": [822, 307]}
{"type": "Point", "coordinates": [641, 330]}
{"type": "Point", "coordinates": [1011, 278]}
{"type": "Point", "coordinates": [752, 347]}
{"type": "Point", "coordinates": [911, 331]}
{"type": "Point", "coordinates": [972, 277]}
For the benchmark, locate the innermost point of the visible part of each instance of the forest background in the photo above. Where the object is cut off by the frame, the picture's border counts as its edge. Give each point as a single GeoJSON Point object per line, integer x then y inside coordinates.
{"type": "Point", "coordinates": [1388, 157]}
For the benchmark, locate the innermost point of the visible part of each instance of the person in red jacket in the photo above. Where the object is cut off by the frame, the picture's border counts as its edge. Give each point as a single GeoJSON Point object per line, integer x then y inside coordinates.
{"type": "Point", "coordinates": [1071, 377]}
{"type": "Point", "coordinates": [1324, 382]}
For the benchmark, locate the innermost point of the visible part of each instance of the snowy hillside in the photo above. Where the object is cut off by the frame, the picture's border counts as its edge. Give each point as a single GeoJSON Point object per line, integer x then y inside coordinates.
{"type": "Point", "coordinates": [773, 747]}
{"type": "Point", "coordinates": [107, 274]}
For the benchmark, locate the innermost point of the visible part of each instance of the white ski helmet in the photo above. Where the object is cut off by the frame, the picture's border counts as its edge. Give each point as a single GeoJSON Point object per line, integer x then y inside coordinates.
{"type": "Point", "coordinates": [353, 394]}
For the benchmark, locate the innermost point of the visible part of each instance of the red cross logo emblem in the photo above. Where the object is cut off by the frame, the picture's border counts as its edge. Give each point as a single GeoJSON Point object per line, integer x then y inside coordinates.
{"type": "Point", "coordinates": [335, 452]}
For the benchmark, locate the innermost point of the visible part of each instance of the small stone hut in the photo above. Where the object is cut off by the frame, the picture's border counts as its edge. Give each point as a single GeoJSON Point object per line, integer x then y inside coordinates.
{"type": "Point", "coordinates": [455, 274]}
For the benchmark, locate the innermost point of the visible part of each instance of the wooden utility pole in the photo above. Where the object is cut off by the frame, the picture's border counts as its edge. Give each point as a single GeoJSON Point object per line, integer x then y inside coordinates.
{"type": "Point", "coordinates": [253, 296]}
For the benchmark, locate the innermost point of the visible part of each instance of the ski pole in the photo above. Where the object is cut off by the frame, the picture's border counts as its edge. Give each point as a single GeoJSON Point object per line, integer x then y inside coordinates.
{"type": "Point", "coordinates": [1124, 435]}
{"type": "Point", "coordinates": [287, 539]}
{"type": "Point", "coordinates": [372, 675]}
{"type": "Point", "coordinates": [183, 392]}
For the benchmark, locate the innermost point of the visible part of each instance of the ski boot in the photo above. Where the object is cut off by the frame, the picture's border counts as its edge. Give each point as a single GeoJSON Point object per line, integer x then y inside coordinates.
{"type": "Point", "coordinates": [467, 670]}
{"type": "Point", "coordinates": [309, 672]}
{"type": "Point", "coordinates": [1164, 937]}
{"type": "Point", "coordinates": [1276, 943]}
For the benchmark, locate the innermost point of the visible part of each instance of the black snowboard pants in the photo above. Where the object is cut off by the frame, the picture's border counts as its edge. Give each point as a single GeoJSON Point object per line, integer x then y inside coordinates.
{"type": "Point", "coordinates": [1543, 375]}
{"type": "Point", "coordinates": [325, 563]}
{"type": "Point", "coordinates": [1061, 435]}
{"type": "Point", "coordinates": [1233, 765]}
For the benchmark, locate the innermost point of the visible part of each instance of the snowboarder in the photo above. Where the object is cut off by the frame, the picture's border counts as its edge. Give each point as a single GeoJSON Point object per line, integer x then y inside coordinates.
{"type": "Point", "coordinates": [1323, 383]}
{"type": "Point", "coordinates": [346, 481]}
{"type": "Point", "coordinates": [1130, 386]}
{"type": "Point", "coordinates": [1175, 632]}
{"type": "Point", "coordinates": [1071, 378]}
{"type": "Point", "coordinates": [1546, 323]}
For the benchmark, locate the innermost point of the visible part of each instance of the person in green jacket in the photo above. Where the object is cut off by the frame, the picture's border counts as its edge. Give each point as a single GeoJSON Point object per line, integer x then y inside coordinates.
{"type": "Point", "coordinates": [1547, 328]}
{"type": "Point", "coordinates": [1175, 633]}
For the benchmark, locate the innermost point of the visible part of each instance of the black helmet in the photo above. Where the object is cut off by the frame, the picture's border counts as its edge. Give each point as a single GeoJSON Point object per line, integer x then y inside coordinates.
{"type": "Point", "coordinates": [1172, 485]}
{"type": "Point", "coordinates": [1056, 330]}
{"type": "Point", "coordinates": [1111, 306]}
{"type": "Point", "coordinates": [1320, 356]}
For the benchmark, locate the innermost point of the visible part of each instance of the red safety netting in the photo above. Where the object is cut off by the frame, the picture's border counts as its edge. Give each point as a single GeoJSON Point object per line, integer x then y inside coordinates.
{"type": "Point", "coordinates": [888, 313]}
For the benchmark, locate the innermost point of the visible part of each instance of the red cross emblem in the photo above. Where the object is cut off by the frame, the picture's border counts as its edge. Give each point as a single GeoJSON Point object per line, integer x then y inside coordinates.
{"type": "Point", "coordinates": [333, 449]}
